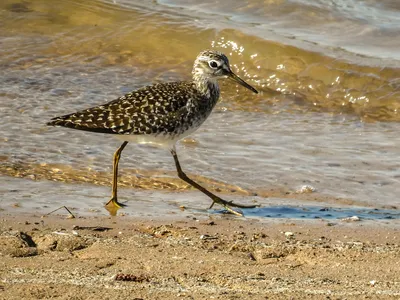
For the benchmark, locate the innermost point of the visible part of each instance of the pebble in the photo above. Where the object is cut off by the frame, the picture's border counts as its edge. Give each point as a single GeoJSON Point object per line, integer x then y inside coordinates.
{"type": "Point", "coordinates": [352, 219]}
{"type": "Point", "coordinates": [207, 237]}
{"type": "Point", "coordinates": [305, 189]}
{"type": "Point", "coordinates": [289, 234]}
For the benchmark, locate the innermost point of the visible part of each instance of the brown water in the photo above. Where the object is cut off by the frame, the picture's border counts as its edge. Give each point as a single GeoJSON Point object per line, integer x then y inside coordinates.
{"type": "Point", "coordinates": [327, 115]}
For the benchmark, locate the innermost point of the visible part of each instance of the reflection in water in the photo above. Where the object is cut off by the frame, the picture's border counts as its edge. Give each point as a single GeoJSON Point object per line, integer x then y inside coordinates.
{"type": "Point", "coordinates": [112, 209]}
{"type": "Point", "coordinates": [322, 117]}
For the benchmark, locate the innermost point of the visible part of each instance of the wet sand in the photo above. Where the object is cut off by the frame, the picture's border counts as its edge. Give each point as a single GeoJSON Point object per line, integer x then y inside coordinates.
{"type": "Point", "coordinates": [203, 257]}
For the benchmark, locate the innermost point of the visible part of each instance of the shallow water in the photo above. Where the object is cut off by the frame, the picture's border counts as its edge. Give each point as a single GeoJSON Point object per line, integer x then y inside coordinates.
{"type": "Point", "coordinates": [327, 115]}
{"type": "Point", "coordinates": [39, 198]}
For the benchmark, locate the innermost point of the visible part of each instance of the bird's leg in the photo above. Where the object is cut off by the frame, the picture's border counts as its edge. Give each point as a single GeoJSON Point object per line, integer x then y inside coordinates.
{"type": "Point", "coordinates": [117, 156]}
{"type": "Point", "coordinates": [226, 204]}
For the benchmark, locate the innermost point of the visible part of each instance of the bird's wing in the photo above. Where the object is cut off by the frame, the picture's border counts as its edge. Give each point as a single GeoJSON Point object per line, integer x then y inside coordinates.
{"type": "Point", "coordinates": [147, 110]}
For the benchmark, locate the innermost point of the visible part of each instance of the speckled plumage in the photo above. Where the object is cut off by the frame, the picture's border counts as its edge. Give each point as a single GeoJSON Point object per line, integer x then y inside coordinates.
{"type": "Point", "coordinates": [164, 108]}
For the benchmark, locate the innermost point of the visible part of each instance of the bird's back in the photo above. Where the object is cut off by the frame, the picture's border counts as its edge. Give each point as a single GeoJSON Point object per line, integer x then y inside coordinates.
{"type": "Point", "coordinates": [160, 108]}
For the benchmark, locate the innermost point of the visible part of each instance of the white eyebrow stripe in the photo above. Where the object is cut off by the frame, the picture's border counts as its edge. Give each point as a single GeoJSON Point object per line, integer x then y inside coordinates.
{"type": "Point", "coordinates": [203, 57]}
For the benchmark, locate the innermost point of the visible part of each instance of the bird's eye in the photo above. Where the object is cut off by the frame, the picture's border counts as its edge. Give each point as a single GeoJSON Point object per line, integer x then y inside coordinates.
{"type": "Point", "coordinates": [213, 64]}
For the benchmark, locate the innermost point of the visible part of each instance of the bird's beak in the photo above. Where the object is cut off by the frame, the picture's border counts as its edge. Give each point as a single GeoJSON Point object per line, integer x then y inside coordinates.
{"type": "Point", "coordinates": [241, 81]}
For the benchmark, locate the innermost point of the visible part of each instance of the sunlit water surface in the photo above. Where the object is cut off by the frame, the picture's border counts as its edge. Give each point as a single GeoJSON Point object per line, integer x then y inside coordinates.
{"type": "Point", "coordinates": [327, 115]}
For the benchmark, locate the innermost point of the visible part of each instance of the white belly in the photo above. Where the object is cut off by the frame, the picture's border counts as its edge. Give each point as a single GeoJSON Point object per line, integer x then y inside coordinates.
{"type": "Point", "coordinates": [160, 140]}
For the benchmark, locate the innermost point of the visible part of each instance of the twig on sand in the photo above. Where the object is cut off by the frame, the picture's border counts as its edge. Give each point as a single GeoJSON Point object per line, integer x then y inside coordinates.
{"type": "Point", "coordinates": [71, 215]}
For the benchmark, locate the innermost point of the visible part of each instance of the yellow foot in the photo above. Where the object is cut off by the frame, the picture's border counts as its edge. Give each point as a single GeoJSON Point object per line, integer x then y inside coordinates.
{"type": "Point", "coordinates": [113, 206]}
{"type": "Point", "coordinates": [229, 204]}
{"type": "Point", "coordinates": [114, 202]}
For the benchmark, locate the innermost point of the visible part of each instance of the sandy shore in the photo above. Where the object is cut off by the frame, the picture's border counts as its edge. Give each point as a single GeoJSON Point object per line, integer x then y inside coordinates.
{"type": "Point", "coordinates": [222, 257]}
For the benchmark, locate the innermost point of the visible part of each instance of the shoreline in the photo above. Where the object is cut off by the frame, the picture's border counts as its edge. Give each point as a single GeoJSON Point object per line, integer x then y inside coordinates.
{"type": "Point", "coordinates": [207, 256]}
{"type": "Point", "coordinates": [43, 196]}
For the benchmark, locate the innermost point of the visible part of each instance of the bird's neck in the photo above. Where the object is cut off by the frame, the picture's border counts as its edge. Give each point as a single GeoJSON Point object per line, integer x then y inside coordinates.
{"type": "Point", "coordinates": [207, 86]}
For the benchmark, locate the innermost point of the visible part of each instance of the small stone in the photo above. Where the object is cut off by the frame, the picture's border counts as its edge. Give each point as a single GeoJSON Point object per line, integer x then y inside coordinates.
{"type": "Point", "coordinates": [305, 189]}
{"type": "Point", "coordinates": [289, 234]}
{"type": "Point", "coordinates": [352, 219]}
{"type": "Point", "coordinates": [131, 277]}
{"type": "Point", "coordinates": [207, 237]}
{"type": "Point", "coordinates": [251, 256]}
